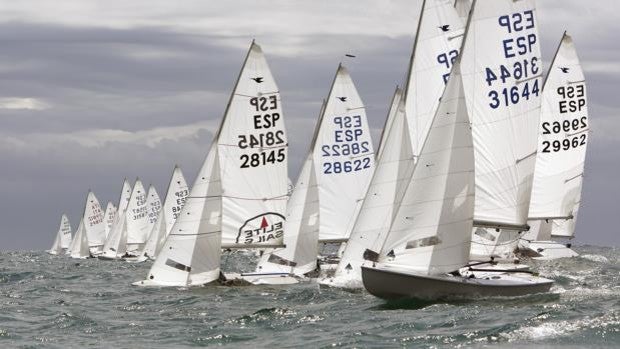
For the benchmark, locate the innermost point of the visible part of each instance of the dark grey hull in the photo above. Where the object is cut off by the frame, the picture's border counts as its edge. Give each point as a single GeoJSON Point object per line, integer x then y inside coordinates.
{"type": "Point", "coordinates": [394, 285]}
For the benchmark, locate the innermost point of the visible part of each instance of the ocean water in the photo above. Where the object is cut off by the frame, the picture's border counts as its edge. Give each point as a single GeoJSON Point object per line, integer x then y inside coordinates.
{"type": "Point", "coordinates": [56, 302]}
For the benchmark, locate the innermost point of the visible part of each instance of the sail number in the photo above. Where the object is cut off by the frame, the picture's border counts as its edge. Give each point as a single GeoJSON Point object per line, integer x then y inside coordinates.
{"type": "Point", "coordinates": [349, 141]}
{"type": "Point", "coordinates": [266, 118]}
{"type": "Point", "coordinates": [511, 79]}
{"type": "Point", "coordinates": [564, 144]}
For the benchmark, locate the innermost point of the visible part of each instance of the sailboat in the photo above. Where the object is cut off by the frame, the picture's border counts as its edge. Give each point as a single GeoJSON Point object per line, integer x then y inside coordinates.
{"type": "Point", "coordinates": [132, 217]}
{"type": "Point", "coordinates": [91, 224]}
{"type": "Point", "coordinates": [459, 182]}
{"type": "Point", "coordinates": [94, 224]}
{"type": "Point", "coordinates": [563, 138]}
{"type": "Point", "coordinates": [239, 197]}
{"type": "Point", "coordinates": [79, 245]}
{"type": "Point", "coordinates": [173, 203]}
{"type": "Point", "coordinates": [110, 212]}
{"type": "Point", "coordinates": [325, 200]}
{"type": "Point", "coordinates": [63, 237]}
{"type": "Point", "coordinates": [437, 43]}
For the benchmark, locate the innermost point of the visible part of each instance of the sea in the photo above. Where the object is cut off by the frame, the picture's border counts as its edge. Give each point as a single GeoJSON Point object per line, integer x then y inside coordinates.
{"type": "Point", "coordinates": [57, 302]}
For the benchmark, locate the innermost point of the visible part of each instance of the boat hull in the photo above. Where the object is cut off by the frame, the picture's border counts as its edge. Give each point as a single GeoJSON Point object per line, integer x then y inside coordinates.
{"type": "Point", "coordinates": [546, 250]}
{"type": "Point", "coordinates": [394, 285]}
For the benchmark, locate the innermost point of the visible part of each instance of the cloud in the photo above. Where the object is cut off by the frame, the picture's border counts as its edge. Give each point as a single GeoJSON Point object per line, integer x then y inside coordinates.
{"type": "Point", "coordinates": [23, 103]}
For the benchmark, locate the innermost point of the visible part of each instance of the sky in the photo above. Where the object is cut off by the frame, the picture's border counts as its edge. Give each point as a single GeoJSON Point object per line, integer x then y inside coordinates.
{"type": "Point", "coordinates": [92, 92]}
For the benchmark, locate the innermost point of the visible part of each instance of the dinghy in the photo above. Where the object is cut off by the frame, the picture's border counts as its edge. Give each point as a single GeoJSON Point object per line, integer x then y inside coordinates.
{"type": "Point", "coordinates": [79, 245]}
{"type": "Point", "coordinates": [238, 200]}
{"type": "Point", "coordinates": [332, 182]}
{"type": "Point", "coordinates": [437, 41]}
{"type": "Point", "coordinates": [63, 237]}
{"type": "Point", "coordinates": [94, 224]}
{"type": "Point", "coordinates": [173, 203]}
{"type": "Point", "coordinates": [460, 183]}
{"type": "Point", "coordinates": [132, 217]}
{"type": "Point", "coordinates": [563, 138]}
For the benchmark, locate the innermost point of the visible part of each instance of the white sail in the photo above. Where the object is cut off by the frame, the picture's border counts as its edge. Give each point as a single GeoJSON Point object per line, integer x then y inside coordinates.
{"type": "Point", "coordinates": [153, 204]}
{"type": "Point", "coordinates": [395, 163]}
{"type": "Point", "coordinates": [173, 202]}
{"type": "Point", "coordinates": [63, 236]}
{"type": "Point", "coordinates": [123, 201]}
{"type": "Point", "coordinates": [252, 150]}
{"type": "Point", "coordinates": [94, 223]}
{"type": "Point", "coordinates": [562, 142]}
{"type": "Point", "coordinates": [343, 158]}
{"type": "Point", "coordinates": [431, 229]}
{"type": "Point", "coordinates": [239, 196]}
{"type": "Point", "coordinates": [191, 253]}
{"type": "Point", "coordinates": [110, 213]}
{"type": "Point", "coordinates": [438, 40]}
{"type": "Point", "coordinates": [301, 229]}
{"type": "Point", "coordinates": [137, 217]}
{"type": "Point", "coordinates": [436, 48]}
{"type": "Point", "coordinates": [79, 246]}
{"type": "Point", "coordinates": [502, 69]}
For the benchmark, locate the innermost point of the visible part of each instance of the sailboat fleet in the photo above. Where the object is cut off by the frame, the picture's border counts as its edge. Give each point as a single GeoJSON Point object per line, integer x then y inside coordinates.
{"type": "Point", "coordinates": [480, 163]}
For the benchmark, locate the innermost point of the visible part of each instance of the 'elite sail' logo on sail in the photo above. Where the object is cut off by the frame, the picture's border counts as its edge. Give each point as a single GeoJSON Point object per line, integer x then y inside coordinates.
{"type": "Point", "coordinates": [264, 228]}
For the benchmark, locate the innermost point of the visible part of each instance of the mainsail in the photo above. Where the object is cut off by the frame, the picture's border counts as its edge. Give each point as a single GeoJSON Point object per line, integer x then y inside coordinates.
{"type": "Point", "coordinates": [332, 182]}
{"type": "Point", "coordinates": [437, 43]}
{"type": "Point", "coordinates": [116, 243]}
{"type": "Point", "coordinates": [501, 69]}
{"type": "Point", "coordinates": [110, 213]}
{"type": "Point", "coordinates": [173, 202]}
{"type": "Point", "coordinates": [239, 196]}
{"type": "Point", "coordinates": [563, 138]}
{"type": "Point", "coordinates": [94, 223]}
{"type": "Point", "coordinates": [63, 236]}
{"type": "Point", "coordinates": [136, 217]}
{"type": "Point", "coordinates": [502, 77]}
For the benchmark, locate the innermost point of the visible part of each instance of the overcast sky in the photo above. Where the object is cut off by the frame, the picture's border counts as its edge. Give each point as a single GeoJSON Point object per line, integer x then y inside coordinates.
{"type": "Point", "coordinates": [95, 91]}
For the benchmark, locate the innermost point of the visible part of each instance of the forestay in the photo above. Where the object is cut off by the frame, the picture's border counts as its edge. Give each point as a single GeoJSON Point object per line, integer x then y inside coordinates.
{"type": "Point", "coordinates": [502, 70]}
{"type": "Point", "coordinates": [431, 229]}
{"type": "Point", "coordinates": [562, 142]}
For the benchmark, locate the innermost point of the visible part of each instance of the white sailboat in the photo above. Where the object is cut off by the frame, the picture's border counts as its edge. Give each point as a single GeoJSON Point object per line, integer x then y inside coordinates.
{"type": "Point", "coordinates": [110, 213]}
{"type": "Point", "coordinates": [332, 182]}
{"type": "Point", "coordinates": [563, 138]}
{"type": "Point", "coordinates": [437, 42]}
{"type": "Point", "coordinates": [239, 197]}
{"type": "Point", "coordinates": [79, 245]}
{"type": "Point", "coordinates": [137, 217]}
{"type": "Point", "coordinates": [133, 210]}
{"type": "Point", "coordinates": [459, 182]}
{"type": "Point", "coordinates": [173, 203]}
{"type": "Point", "coordinates": [63, 237]}
{"type": "Point", "coordinates": [94, 223]}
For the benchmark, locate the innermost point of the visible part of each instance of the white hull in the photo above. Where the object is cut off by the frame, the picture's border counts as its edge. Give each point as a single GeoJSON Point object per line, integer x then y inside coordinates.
{"type": "Point", "coordinates": [264, 278]}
